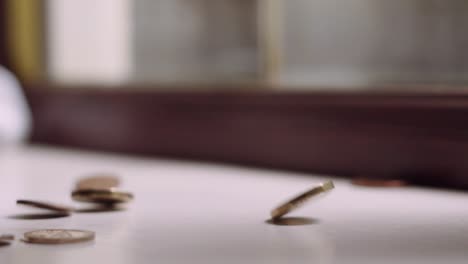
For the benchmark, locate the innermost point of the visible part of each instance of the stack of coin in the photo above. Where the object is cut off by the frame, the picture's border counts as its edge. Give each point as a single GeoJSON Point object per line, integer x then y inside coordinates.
{"type": "Point", "coordinates": [102, 190]}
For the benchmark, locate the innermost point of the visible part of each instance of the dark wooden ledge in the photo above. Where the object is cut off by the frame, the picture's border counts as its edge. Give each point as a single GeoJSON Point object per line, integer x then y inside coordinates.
{"type": "Point", "coordinates": [418, 137]}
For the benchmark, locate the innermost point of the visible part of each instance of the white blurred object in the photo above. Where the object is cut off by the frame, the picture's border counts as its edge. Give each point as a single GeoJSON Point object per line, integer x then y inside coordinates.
{"type": "Point", "coordinates": [15, 119]}
{"type": "Point", "coordinates": [89, 41]}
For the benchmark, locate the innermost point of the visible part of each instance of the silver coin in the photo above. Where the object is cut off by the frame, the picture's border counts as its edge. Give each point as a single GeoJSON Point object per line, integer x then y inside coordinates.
{"type": "Point", "coordinates": [58, 236]}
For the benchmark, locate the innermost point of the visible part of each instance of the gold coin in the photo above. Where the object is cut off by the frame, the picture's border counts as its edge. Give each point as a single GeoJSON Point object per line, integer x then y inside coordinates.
{"type": "Point", "coordinates": [99, 182]}
{"type": "Point", "coordinates": [58, 236]}
{"type": "Point", "coordinates": [297, 201]}
{"type": "Point", "coordinates": [46, 205]}
{"type": "Point", "coordinates": [109, 196]}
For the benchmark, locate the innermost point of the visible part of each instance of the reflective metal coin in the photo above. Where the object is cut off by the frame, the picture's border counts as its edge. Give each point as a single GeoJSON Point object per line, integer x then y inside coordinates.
{"type": "Point", "coordinates": [378, 182]}
{"type": "Point", "coordinates": [110, 196]}
{"type": "Point", "coordinates": [300, 199]}
{"type": "Point", "coordinates": [46, 205]}
{"type": "Point", "coordinates": [58, 236]}
{"type": "Point", "coordinates": [100, 182]}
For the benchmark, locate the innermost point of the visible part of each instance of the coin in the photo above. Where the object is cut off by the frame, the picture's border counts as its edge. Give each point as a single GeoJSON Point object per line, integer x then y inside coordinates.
{"type": "Point", "coordinates": [300, 199]}
{"type": "Point", "coordinates": [378, 182]}
{"type": "Point", "coordinates": [110, 196]}
{"type": "Point", "coordinates": [58, 236]}
{"type": "Point", "coordinates": [46, 205]}
{"type": "Point", "coordinates": [99, 182]}
{"type": "Point", "coordinates": [292, 221]}
{"type": "Point", "coordinates": [4, 243]}
{"type": "Point", "coordinates": [7, 237]}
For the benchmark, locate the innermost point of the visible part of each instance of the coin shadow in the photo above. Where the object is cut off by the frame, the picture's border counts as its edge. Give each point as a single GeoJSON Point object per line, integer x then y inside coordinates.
{"type": "Point", "coordinates": [100, 209]}
{"type": "Point", "coordinates": [38, 216]}
{"type": "Point", "coordinates": [293, 221]}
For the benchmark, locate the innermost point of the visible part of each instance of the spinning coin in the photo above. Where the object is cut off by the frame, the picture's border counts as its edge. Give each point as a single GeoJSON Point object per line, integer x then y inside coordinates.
{"type": "Point", "coordinates": [300, 199]}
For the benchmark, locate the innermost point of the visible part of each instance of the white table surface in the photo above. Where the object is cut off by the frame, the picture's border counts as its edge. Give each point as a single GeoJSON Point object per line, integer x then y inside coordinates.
{"type": "Point", "coordinates": [188, 212]}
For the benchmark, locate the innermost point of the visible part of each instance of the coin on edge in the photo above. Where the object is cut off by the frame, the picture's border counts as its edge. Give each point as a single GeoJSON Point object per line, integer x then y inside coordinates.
{"type": "Point", "coordinates": [297, 201]}
{"type": "Point", "coordinates": [109, 196]}
{"type": "Point", "coordinates": [100, 181]}
{"type": "Point", "coordinates": [58, 236]}
{"type": "Point", "coordinates": [46, 205]}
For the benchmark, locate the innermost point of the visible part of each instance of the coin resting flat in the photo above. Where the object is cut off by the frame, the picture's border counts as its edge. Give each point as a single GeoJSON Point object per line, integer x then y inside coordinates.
{"type": "Point", "coordinates": [297, 201]}
{"type": "Point", "coordinates": [58, 236]}
{"type": "Point", "coordinates": [109, 196]}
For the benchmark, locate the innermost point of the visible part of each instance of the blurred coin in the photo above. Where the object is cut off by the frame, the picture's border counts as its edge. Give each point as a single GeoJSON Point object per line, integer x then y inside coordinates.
{"type": "Point", "coordinates": [58, 236]}
{"type": "Point", "coordinates": [300, 199]}
{"type": "Point", "coordinates": [7, 237]}
{"type": "Point", "coordinates": [292, 221]}
{"type": "Point", "coordinates": [378, 182]}
{"type": "Point", "coordinates": [110, 196]}
{"type": "Point", "coordinates": [46, 205]}
{"type": "Point", "coordinates": [40, 216]}
{"type": "Point", "coordinates": [101, 208]}
{"type": "Point", "coordinates": [98, 182]}
{"type": "Point", "coordinates": [4, 243]}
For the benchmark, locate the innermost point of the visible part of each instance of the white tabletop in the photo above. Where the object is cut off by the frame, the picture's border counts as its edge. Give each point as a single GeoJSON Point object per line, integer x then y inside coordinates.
{"type": "Point", "coordinates": [188, 212]}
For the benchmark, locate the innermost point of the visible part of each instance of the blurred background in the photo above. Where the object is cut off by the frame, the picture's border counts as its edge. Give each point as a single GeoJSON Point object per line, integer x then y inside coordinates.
{"type": "Point", "coordinates": [306, 44]}
{"type": "Point", "coordinates": [371, 88]}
